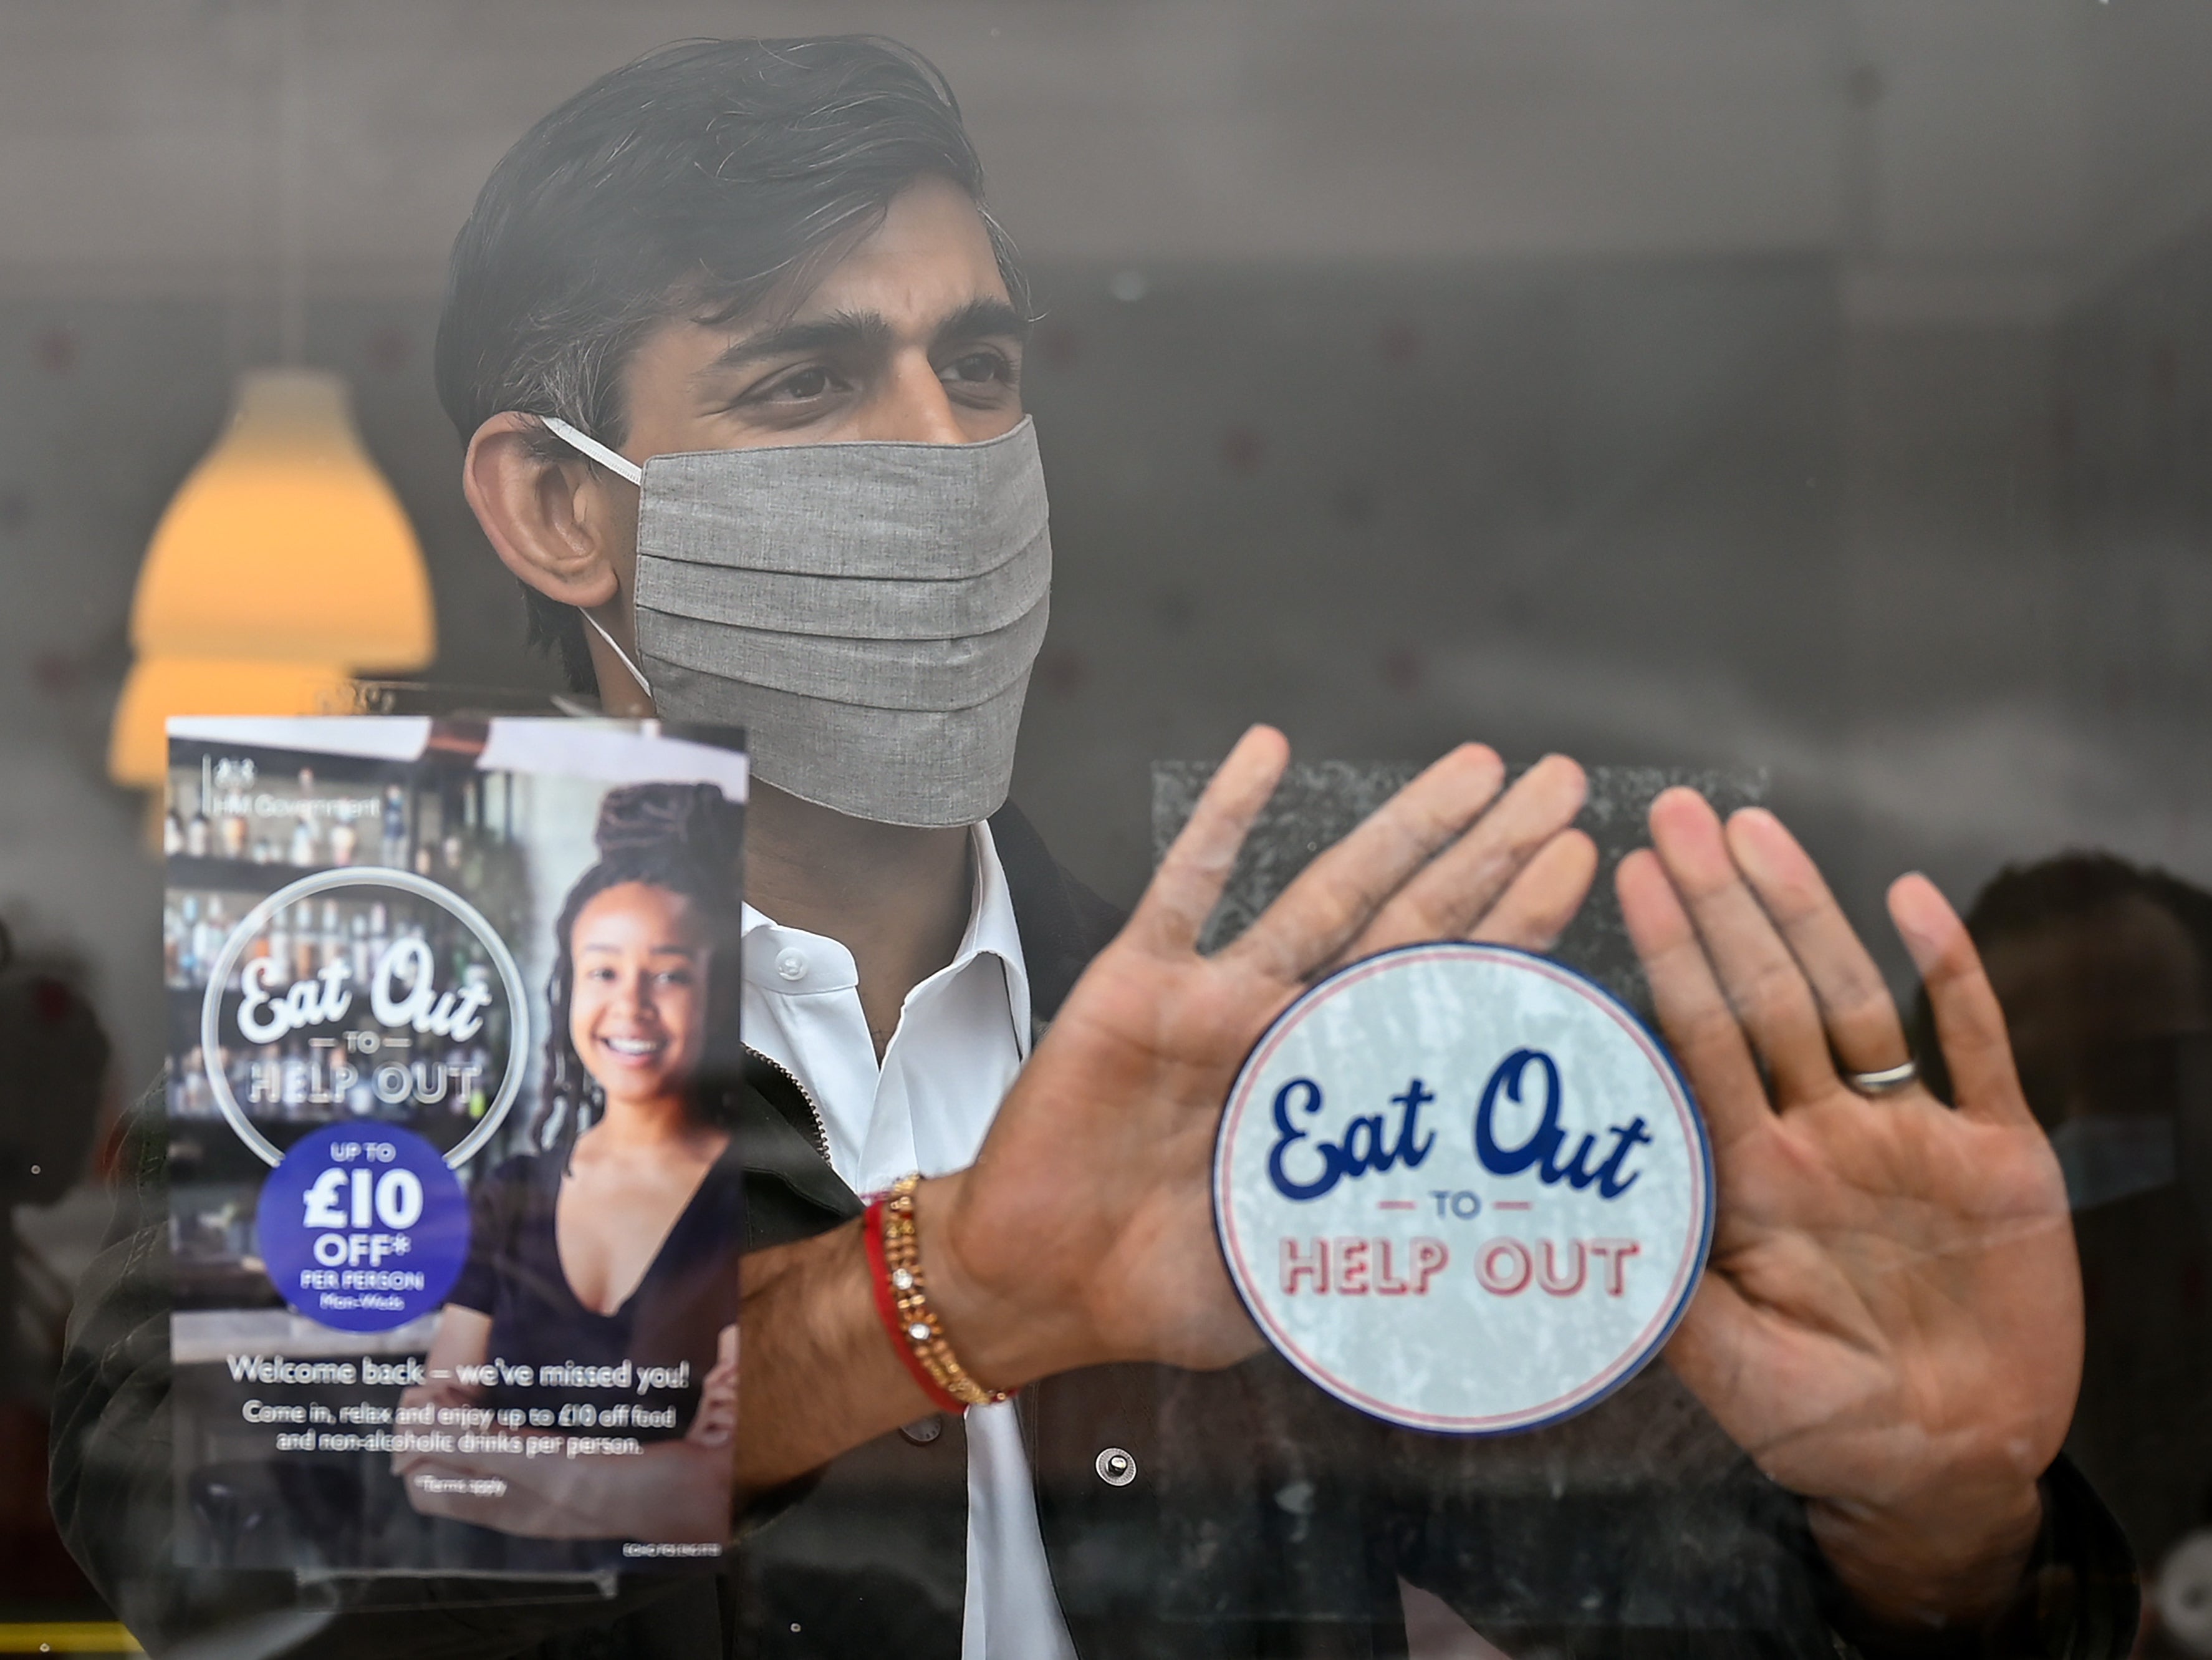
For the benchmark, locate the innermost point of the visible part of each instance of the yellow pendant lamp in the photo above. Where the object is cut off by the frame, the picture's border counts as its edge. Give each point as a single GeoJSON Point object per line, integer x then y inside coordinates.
{"type": "Point", "coordinates": [284, 564]}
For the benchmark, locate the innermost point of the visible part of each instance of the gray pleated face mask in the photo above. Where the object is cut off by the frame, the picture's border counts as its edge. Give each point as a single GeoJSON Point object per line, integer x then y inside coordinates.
{"type": "Point", "coordinates": [868, 613]}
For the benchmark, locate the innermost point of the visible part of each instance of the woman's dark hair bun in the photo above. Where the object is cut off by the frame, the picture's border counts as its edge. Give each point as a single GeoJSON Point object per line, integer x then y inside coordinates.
{"type": "Point", "coordinates": [696, 820]}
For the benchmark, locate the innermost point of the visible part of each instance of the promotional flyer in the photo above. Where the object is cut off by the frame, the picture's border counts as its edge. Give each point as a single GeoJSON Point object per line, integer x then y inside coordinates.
{"type": "Point", "coordinates": [455, 1213]}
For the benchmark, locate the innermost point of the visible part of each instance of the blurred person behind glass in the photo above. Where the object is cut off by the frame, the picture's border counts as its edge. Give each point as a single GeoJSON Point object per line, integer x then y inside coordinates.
{"type": "Point", "coordinates": [2104, 970]}
{"type": "Point", "coordinates": [53, 1095]}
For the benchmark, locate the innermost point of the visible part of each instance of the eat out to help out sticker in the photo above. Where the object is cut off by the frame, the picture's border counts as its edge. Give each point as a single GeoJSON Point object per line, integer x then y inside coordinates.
{"type": "Point", "coordinates": [1462, 1188]}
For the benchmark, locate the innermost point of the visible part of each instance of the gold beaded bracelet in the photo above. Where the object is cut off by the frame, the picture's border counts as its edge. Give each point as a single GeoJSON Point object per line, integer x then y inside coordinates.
{"type": "Point", "coordinates": [916, 1321]}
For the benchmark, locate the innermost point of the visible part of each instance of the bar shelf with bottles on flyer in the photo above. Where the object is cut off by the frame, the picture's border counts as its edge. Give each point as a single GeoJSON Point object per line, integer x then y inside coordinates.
{"type": "Point", "coordinates": [236, 830]}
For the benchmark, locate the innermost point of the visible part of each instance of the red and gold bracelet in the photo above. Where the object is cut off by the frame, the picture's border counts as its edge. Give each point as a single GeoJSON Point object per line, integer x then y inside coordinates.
{"type": "Point", "coordinates": [901, 1298]}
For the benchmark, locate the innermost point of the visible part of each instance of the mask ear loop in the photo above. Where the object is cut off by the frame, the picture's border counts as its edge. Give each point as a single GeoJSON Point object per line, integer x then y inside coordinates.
{"type": "Point", "coordinates": [622, 467]}
{"type": "Point", "coordinates": [643, 685]}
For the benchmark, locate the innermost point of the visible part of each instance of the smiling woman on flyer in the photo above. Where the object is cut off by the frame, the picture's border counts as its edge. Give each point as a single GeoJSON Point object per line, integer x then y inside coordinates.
{"type": "Point", "coordinates": [609, 1253]}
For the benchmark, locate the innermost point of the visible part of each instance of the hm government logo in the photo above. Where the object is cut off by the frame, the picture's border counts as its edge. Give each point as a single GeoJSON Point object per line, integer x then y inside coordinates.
{"type": "Point", "coordinates": [1461, 1187]}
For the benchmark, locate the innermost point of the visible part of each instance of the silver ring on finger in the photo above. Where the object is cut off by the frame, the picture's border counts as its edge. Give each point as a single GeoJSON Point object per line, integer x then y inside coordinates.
{"type": "Point", "coordinates": [1888, 1081]}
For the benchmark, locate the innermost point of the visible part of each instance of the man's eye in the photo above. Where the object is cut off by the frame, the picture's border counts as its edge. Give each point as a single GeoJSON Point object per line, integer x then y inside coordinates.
{"type": "Point", "coordinates": [977, 367]}
{"type": "Point", "coordinates": [805, 384]}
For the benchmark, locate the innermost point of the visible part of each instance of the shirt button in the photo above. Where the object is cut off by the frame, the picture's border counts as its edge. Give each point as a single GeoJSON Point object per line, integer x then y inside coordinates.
{"type": "Point", "coordinates": [1115, 1468]}
{"type": "Point", "coordinates": [791, 963]}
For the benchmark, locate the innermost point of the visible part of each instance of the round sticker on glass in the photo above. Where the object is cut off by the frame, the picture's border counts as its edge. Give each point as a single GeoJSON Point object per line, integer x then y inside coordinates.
{"type": "Point", "coordinates": [1463, 1189]}
{"type": "Point", "coordinates": [363, 1226]}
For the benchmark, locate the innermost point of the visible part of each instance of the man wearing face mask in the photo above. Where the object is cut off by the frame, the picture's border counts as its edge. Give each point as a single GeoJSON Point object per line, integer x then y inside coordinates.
{"type": "Point", "coordinates": [736, 352]}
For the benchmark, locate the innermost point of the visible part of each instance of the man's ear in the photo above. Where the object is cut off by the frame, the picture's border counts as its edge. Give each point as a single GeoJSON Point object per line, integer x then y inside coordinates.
{"type": "Point", "coordinates": [557, 523]}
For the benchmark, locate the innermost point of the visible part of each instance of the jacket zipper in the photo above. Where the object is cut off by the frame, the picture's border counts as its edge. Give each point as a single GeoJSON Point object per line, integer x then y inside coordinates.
{"type": "Point", "coordinates": [813, 1112]}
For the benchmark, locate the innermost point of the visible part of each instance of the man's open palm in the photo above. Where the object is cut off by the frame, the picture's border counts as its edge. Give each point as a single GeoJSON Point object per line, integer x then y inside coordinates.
{"type": "Point", "coordinates": [1085, 1225]}
{"type": "Point", "coordinates": [1891, 1323]}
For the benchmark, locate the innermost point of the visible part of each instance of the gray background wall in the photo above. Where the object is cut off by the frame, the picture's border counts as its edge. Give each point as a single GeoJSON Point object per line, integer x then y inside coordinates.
{"type": "Point", "coordinates": [1824, 386]}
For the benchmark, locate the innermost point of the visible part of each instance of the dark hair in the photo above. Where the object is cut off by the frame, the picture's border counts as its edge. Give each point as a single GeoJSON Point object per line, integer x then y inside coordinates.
{"type": "Point", "coordinates": [2070, 887]}
{"type": "Point", "coordinates": [700, 177]}
{"type": "Point", "coordinates": [2076, 886]}
{"type": "Point", "coordinates": [681, 837]}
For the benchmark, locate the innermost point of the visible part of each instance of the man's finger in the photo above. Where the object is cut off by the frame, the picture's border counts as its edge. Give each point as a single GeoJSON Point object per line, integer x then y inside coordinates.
{"type": "Point", "coordinates": [1694, 1015]}
{"type": "Point", "coordinates": [1969, 1023]}
{"type": "Point", "coordinates": [1460, 886]}
{"type": "Point", "coordinates": [1339, 894]}
{"type": "Point", "coordinates": [1184, 891]}
{"type": "Point", "coordinates": [1534, 911]}
{"type": "Point", "coordinates": [1761, 979]}
{"type": "Point", "coordinates": [1854, 1003]}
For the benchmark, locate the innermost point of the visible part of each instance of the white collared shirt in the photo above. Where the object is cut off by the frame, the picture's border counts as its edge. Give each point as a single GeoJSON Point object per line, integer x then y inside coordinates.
{"type": "Point", "coordinates": [963, 1034]}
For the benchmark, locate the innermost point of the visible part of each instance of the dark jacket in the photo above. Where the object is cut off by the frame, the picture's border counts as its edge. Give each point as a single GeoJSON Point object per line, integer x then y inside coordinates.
{"type": "Point", "coordinates": [1237, 1515]}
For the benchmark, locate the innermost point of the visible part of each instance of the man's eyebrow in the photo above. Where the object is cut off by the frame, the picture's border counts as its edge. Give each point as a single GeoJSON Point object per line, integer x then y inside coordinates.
{"type": "Point", "coordinates": [979, 319]}
{"type": "Point", "coordinates": [842, 331]}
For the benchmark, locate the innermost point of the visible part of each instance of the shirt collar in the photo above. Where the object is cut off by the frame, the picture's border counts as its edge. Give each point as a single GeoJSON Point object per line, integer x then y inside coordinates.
{"type": "Point", "coordinates": [992, 931]}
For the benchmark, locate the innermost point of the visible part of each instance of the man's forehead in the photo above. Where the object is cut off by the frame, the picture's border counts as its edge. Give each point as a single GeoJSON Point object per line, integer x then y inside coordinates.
{"type": "Point", "coordinates": [929, 261]}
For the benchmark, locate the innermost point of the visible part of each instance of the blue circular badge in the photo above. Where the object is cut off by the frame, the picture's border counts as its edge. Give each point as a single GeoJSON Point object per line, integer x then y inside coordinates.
{"type": "Point", "coordinates": [1461, 1187]}
{"type": "Point", "coordinates": [363, 1226]}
